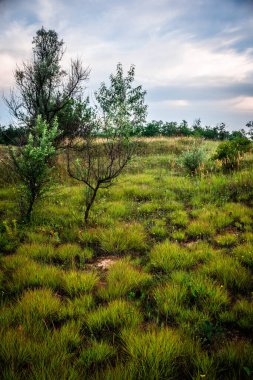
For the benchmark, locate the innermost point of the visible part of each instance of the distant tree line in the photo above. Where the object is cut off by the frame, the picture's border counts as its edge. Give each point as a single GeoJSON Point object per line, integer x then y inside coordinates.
{"type": "Point", "coordinates": [172, 129]}
{"type": "Point", "coordinates": [12, 136]}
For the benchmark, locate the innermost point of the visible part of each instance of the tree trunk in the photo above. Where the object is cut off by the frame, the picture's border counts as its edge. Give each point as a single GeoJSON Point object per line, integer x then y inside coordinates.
{"type": "Point", "coordinates": [90, 203]}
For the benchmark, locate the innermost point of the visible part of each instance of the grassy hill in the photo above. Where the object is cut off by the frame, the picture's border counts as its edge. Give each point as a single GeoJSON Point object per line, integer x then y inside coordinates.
{"type": "Point", "coordinates": [157, 286]}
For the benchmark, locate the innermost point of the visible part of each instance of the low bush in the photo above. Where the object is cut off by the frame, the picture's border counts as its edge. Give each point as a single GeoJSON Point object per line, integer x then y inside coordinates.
{"type": "Point", "coordinates": [231, 152]}
{"type": "Point", "coordinates": [193, 160]}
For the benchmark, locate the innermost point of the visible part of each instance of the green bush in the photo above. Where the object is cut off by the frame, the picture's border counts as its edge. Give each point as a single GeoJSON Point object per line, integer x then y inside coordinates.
{"type": "Point", "coordinates": [192, 160]}
{"type": "Point", "coordinates": [230, 152]}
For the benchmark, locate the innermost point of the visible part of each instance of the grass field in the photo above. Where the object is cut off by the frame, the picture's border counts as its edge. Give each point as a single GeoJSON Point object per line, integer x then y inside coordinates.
{"type": "Point", "coordinates": [157, 286]}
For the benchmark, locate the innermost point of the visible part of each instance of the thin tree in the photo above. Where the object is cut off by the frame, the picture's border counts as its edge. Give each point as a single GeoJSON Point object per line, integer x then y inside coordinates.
{"type": "Point", "coordinates": [98, 163]}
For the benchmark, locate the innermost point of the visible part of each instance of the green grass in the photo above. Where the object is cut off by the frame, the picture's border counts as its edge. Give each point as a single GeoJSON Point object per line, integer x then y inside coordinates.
{"type": "Point", "coordinates": [244, 253]}
{"type": "Point", "coordinates": [68, 255]}
{"type": "Point", "coordinates": [122, 278]}
{"type": "Point", "coordinates": [174, 302]}
{"type": "Point", "coordinates": [229, 272]}
{"type": "Point", "coordinates": [122, 238]}
{"type": "Point", "coordinates": [96, 354]}
{"type": "Point", "coordinates": [168, 256]}
{"type": "Point", "coordinates": [117, 314]}
{"type": "Point", "coordinates": [153, 354]}
{"type": "Point", "coordinates": [75, 283]}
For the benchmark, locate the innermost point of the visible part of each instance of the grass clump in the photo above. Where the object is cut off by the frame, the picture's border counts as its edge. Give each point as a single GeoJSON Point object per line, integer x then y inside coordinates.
{"type": "Point", "coordinates": [153, 354]}
{"type": "Point", "coordinates": [123, 238]}
{"type": "Point", "coordinates": [226, 239]}
{"type": "Point", "coordinates": [15, 353]}
{"type": "Point", "coordinates": [159, 229]}
{"type": "Point", "coordinates": [96, 354]}
{"type": "Point", "coordinates": [21, 273]}
{"type": "Point", "coordinates": [244, 253]}
{"type": "Point", "coordinates": [67, 255]}
{"type": "Point", "coordinates": [229, 272]}
{"type": "Point", "coordinates": [235, 360]}
{"type": "Point", "coordinates": [240, 315]}
{"type": "Point", "coordinates": [179, 218]}
{"type": "Point", "coordinates": [200, 229]}
{"type": "Point", "coordinates": [78, 307]}
{"type": "Point", "coordinates": [122, 278]}
{"type": "Point", "coordinates": [178, 235]}
{"type": "Point", "coordinates": [168, 256]}
{"type": "Point", "coordinates": [189, 291]}
{"type": "Point", "coordinates": [115, 315]}
{"type": "Point", "coordinates": [75, 283]}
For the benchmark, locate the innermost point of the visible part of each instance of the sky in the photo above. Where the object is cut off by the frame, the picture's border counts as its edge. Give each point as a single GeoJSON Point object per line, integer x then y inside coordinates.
{"type": "Point", "coordinates": [193, 57]}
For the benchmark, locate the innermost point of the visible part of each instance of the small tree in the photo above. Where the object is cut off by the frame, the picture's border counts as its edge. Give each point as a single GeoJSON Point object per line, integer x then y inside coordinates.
{"type": "Point", "coordinates": [99, 163]}
{"type": "Point", "coordinates": [30, 165]}
{"type": "Point", "coordinates": [44, 88]}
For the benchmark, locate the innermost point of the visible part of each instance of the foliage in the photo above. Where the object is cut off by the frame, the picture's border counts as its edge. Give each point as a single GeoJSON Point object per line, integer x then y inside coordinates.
{"type": "Point", "coordinates": [192, 160]}
{"type": "Point", "coordinates": [44, 88]}
{"type": "Point", "coordinates": [122, 105]}
{"type": "Point", "coordinates": [123, 110]}
{"type": "Point", "coordinates": [158, 286]}
{"type": "Point", "coordinates": [230, 152]}
{"type": "Point", "coordinates": [31, 165]}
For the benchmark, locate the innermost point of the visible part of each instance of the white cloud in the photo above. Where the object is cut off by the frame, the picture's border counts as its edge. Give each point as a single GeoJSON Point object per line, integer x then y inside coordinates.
{"type": "Point", "coordinates": [177, 103]}
{"type": "Point", "coordinates": [150, 34]}
{"type": "Point", "coordinates": [243, 104]}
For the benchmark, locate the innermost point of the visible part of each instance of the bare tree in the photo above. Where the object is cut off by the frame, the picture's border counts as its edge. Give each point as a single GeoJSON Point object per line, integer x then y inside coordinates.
{"type": "Point", "coordinates": [98, 164]}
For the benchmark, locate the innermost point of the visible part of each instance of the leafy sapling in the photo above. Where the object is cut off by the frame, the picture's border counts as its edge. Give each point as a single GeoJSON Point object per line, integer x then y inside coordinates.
{"type": "Point", "coordinates": [31, 165]}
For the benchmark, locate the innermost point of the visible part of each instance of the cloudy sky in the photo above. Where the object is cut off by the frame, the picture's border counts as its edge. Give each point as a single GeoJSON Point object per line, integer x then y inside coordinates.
{"type": "Point", "coordinates": [194, 57]}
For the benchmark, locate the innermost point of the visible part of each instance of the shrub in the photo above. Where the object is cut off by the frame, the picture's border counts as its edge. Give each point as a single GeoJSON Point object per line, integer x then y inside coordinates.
{"type": "Point", "coordinates": [230, 152]}
{"type": "Point", "coordinates": [30, 165]}
{"type": "Point", "coordinates": [192, 160]}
